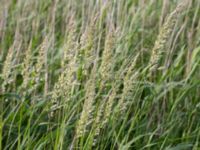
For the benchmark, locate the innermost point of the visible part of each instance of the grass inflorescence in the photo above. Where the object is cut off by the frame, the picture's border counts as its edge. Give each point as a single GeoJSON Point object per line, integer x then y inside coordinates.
{"type": "Point", "coordinates": [100, 74]}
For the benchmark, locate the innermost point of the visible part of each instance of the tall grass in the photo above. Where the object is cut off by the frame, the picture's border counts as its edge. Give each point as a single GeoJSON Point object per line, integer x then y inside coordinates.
{"type": "Point", "coordinates": [121, 74]}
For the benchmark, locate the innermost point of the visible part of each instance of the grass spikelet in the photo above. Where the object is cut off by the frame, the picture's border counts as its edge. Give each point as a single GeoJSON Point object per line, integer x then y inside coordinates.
{"type": "Point", "coordinates": [98, 122]}
{"type": "Point", "coordinates": [39, 66]}
{"type": "Point", "coordinates": [6, 79]}
{"type": "Point", "coordinates": [69, 46]}
{"type": "Point", "coordinates": [57, 93]}
{"type": "Point", "coordinates": [87, 53]}
{"type": "Point", "coordinates": [86, 115]}
{"type": "Point", "coordinates": [108, 56]}
{"type": "Point", "coordinates": [26, 66]}
{"type": "Point", "coordinates": [106, 72]}
{"type": "Point", "coordinates": [89, 62]}
{"type": "Point", "coordinates": [129, 86]}
{"type": "Point", "coordinates": [165, 32]}
{"type": "Point", "coordinates": [6, 72]}
{"type": "Point", "coordinates": [109, 105]}
{"type": "Point", "coordinates": [63, 88]}
{"type": "Point", "coordinates": [7, 68]}
{"type": "Point", "coordinates": [87, 48]}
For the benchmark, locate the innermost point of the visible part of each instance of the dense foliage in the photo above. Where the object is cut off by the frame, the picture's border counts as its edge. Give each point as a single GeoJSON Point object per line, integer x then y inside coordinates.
{"type": "Point", "coordinates": [100, 74]}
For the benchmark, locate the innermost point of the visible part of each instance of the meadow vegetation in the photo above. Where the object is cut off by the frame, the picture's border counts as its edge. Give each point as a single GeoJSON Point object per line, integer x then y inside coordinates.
{"type": "Point", "coordinates": [100, 74]}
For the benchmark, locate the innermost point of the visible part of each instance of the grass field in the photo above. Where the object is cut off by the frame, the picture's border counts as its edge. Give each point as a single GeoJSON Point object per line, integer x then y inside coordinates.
{"type": "Point", "coordinates": [100, 74]}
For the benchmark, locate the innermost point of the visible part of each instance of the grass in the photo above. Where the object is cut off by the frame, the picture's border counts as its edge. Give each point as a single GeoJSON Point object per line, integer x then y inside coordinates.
{"type": "Point", "coordinates": [120, 74]}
